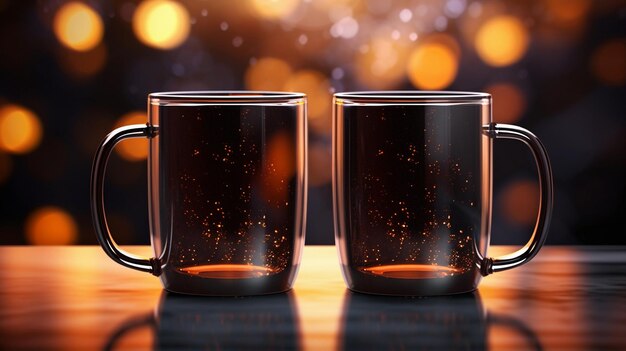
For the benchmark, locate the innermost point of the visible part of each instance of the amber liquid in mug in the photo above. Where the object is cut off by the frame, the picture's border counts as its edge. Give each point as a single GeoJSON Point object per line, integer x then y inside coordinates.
{"type": "Point", "coordinates": [412, 192]}
{"type": "Point", "coordinates": [229, 208]}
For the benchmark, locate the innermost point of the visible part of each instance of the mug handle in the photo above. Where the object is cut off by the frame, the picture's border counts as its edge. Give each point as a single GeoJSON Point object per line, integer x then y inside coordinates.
{"type": "Point", "coordinates": [150, 265]}
{"type": "Point", "coordinates": [526, 253]}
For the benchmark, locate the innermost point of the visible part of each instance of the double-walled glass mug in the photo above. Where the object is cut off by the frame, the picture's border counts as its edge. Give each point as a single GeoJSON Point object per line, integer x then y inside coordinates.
{"type": "Point", "coordinates": [227, 191]}
{"type": "Point", "coordinates": [412, 191]}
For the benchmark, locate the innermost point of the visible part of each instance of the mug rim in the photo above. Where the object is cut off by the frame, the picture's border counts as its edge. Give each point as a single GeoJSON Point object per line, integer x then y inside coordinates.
{"type": "Point", "coordinates": [411, 96]}
{"type": "Point", "coordinates": [225, 96]}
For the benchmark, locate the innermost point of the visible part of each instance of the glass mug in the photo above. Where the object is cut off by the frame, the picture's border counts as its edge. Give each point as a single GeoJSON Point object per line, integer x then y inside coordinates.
{"type": "Point", "coordinates": [227, 191]}
{"type": "Point", "coordinates": [412, 191]}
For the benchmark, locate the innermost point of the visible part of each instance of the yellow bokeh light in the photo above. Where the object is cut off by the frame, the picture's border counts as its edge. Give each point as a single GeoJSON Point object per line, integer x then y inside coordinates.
{"type": "Point", "coordinates": [501, 41]}
{"type": "Point", "coordinates": [608, 62]}
{"type": "Point", "coordinates": [274, 9]}
{"type": "Point", "coordinates": [509, 102]}
{"type": "Point", "coordinates": [162, 24]}
{"type": "Point", "coordinates": [51, 226]}
{"type": "Point", "coordinates": [432, 66]}
{"type": "Point", "coordinates": [20, 129]}
{"type": "Point", "coordinates": [381, 64]}
{"type": "Point", "coordinates": [135, 149]}
{"type": "Point", "coordinates": [268, 73]}
{"type": "Point", "coordinates": [78, 26]}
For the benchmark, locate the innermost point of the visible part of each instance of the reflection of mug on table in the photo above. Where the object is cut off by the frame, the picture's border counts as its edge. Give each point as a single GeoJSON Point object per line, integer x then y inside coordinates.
{"type": "Point", "coordinates": [220, 323]}
{"type": "Point", "coordinates": [456, 322]}
{"type": "Point", "coordinates": [227, 191]}
{"type": "Point", "coordinates": [412, 191]}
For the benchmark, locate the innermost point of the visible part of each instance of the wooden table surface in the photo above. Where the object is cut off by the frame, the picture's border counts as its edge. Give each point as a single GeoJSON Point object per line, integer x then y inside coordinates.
{"type": "Point", "coordinates": [76, 298]}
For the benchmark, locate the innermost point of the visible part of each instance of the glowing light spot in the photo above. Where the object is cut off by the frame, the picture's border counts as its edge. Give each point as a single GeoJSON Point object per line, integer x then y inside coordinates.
{"type": "Point", "coordinates": [6, 166]}
{"type": "Point", "coordinates": [509, 102]}
{"type": "Point", "coordinates": [162, 24]}
{"type": "Point", "coordinates": [432, 66]}
{"type": "Point", "coordinates": [135, 149]}
{"type": "Point", "coordinates": [568, 10]}
{"type": "Point", "coordinates": [51, 226]}
{"type": "Point", "coordinates": [381, 63]}
{"type": "Point", "coordinates": [77, 26]}
{"type": "Point", "coordinates": [405, 15]}
{"type": "Point", "coordinates": [274, 9]}
{"type": "Point", "coordinates": [316, 87]}
{"type": "Point", "coordinates": [455, 8]}
{"type": "Point", "coordinates": [280, 166]}
{"type": "Point", "coordinates": [346, 28]}
{"type": "Point", "coordinates": [608, 62]}
{"type": "Point", "coordinates": [267, 74]}
{"type": "Point", "coordinates": [501, 41]}
{"type": "Point", "coordinates": [20, 129]}
{"type": "Point", "coordinates": [520, 202]}
{"type": "Point", "coordinates": [83, 64]}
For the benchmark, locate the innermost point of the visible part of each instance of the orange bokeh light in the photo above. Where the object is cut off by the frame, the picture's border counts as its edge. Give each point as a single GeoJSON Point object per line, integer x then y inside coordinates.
{"type": "Point", "coordinates": [520, 202]}
{"type": "Point", "coordinates": [268, 73]}
{"type": "Point", "coordinates": [432, 65]}
{"type": "Point", "coordinates": [135, 149]}
{"type": "Point", "coordinates": [501, 41]}
{"type": "Point", "coordinates": [83, 64]}
{"type": "Point", "coordinates": [274, 9]}
{"type": "Point", "coordinates": [51, 226]}
{"type": "Point", "coordinates": [317, 89]}
{"type": "Point", "coordinates": [78, 27]}
{"type": "Point", "coordinates": [279, 167]}
{"type": "Point", "coordinates": [509, 103]}
{"type": "Point", "coordinates": [162, 24]}
{"type": "Point", "coordinates": [568, 10]}
{"type": "Point", "coordinates": [608, 62]}
{"type": "Point", "coordinates": [20, 129]}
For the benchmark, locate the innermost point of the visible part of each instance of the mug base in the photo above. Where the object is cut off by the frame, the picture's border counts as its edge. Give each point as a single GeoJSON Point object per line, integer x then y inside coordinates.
{"type": "Point", "coordinates": [396, 284]}
{"type": "Point", "coordinates": [226, 283]}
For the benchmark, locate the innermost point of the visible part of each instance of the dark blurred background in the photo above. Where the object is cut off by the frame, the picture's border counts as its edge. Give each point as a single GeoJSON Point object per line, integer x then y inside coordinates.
{"type": "Point", "coordinates": [70, 71]}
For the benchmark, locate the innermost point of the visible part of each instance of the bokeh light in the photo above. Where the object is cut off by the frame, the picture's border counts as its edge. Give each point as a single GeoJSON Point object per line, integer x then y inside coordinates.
{"type": "Point", "coordinates": [608, 62]}
{"type": "Point", "coordinates": [267, 73]}
{"type": "Point", "coordinates": [135, 149]}
{"type": "Point", "coordinates": [51, 225]}
{"type": "Point", "coordinates": [509, 102]}
{"type": "Point", "coordinates": [78, 27]}
{"type": "Point", "coordinates": [520, 202]}
{"type": "Point", "coordinates": [6, 167]}
{"type": "Point", "coordinates": [501, 41]}
{"type": "Point", "coordinates": [568, 10]}
{"type": "Point", "coordinates": [432, 66]}
{"type": "Point", "coordinates": [162, 24]}
{"type": "Point", "coordinates": [317, 89]}
{"type": "Point", "coordinates": [381, 63]}
{"type": "Point", "coordinates": [83, 64]}
{"type": "Point", "coordinates": [274, 9]}
{"type": "Point", "coordinates": [20, 129]}
{"type": "Point", "coordinates": [279, 167]}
